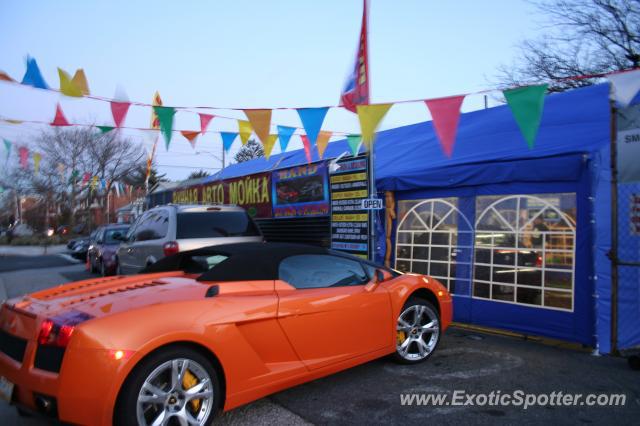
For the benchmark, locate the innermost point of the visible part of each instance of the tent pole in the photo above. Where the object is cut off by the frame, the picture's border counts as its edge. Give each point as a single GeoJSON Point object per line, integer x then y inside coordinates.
{"type": "Point", "coordinates": [613, 253]}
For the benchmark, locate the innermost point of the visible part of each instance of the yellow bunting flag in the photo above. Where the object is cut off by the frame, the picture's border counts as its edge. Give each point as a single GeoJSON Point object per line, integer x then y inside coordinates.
{"type": "Point", "coordinates": [36, 162]}
{"type": "Point", "coordinates": [245, 129]}
{"type": "Point", "coordinates": [268, 145]}
{"type": "Point", "coordinates": [80, 81]}
{"type": "Point", "coordinates": [157, 101]}
{"type": "Point", "coordinates": [94, 183]}
{"type": "Point", "coordinates": [67, 87]}
{"type": "Point", "coordinates": [370, 117]}
{"type": "Point", "coordinates": [261, 122]}
{"type": "Point", "coordinates": [322, 142]}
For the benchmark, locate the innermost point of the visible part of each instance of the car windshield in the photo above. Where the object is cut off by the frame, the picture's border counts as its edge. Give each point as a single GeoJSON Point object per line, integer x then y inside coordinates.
{"type": "Point", "coordinates": [109, 234]}
{"type": "Point", "coordinates": [215, 224]}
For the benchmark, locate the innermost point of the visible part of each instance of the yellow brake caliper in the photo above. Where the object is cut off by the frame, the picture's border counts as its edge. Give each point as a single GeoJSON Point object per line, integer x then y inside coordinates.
{"type": "Point", "coordinates": [189, 381]}
{"type": "Point", "coordinates": [401, 337]}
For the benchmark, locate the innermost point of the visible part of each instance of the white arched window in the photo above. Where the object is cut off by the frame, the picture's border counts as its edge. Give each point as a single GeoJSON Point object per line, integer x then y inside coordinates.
{"type": "Point", "coordinates": [431, 235]}
{"type": "Point", "coordinates": [525, 249]}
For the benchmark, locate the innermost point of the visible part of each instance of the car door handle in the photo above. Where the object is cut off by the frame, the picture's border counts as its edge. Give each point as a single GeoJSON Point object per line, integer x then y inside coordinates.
{"type": "Point", "coordinates": [129, 250]}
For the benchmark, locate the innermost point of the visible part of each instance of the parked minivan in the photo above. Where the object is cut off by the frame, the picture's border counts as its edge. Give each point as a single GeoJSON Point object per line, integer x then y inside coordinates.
{"type": "Point", "coordinates": [169, 229]}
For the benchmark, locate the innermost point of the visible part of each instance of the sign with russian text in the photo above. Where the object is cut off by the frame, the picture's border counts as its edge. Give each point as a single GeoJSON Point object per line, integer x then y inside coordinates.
{"type": "Point", "coordinates": [300, 191]}
{"type": "Point", "coordinates": [250, 192]}
{"type": "Point", "coordinates": [349, 220]}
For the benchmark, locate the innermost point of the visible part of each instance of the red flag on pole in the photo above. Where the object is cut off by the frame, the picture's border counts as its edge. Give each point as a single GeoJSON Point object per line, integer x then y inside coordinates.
{"type": "Point", "coordinates": [356, 88]}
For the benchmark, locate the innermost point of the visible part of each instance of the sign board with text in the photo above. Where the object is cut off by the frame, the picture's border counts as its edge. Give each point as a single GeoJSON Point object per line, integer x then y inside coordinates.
{"type": "Point", "coordinates": [349, 186]}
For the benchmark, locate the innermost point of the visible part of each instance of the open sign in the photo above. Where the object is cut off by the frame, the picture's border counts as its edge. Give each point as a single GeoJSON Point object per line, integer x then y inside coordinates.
{"type": "Point", "coordinates": [372, 204]}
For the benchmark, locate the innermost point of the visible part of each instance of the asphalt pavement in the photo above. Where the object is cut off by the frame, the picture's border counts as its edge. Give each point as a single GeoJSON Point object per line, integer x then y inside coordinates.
{"type": "Point", "coordinates": [467, 363]}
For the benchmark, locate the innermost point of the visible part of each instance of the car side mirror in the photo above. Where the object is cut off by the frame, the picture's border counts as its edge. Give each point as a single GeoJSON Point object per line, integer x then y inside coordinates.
{"type": "Point", "coordinates": [382, 275]}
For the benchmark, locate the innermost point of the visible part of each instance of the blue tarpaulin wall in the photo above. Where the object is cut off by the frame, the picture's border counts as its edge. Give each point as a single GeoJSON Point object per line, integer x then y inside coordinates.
{"type": "Point", "coordinates": [571, 150]}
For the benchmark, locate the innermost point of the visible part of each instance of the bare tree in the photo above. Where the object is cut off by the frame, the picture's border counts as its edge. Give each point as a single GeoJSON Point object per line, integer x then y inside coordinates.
{"type": "Point", "coordinates": [198, 174]}
{"type": "Point", "coordinates": [250, 151]}
{"type": "Point", "coordinates": [582, 38]}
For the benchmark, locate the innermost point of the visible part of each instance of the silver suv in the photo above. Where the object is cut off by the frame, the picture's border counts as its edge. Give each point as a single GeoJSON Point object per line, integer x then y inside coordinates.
{"type": "Point", "coordinates": [166, 230]}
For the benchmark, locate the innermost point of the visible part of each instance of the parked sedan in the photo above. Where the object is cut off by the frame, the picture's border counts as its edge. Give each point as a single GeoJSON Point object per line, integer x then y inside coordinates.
{"type": "Point", "coordinates": [101, 255]}
{"type": "Point", "coordinates": [209, 330]}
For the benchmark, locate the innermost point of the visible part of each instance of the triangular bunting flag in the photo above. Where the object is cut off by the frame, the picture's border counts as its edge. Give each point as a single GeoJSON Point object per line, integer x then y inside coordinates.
{"type": "Point", "coordinates": [191, 136]}
{"type": "Point", "coordinates": [625, 86]}
{"type": "Point", "coordinates": [23, 153]}
{"type": "Point", "coordinates": [354, 142]}
{"type": "Point", "coordinates": [60, 119]}
{"type": "Point", "coordinates": [5, 77]}
{"type": "Point", "coordinates": [312, 119]}
{"type": "Point", "coordinates": [370, 117]}
{"type": "Point", "coordinates": [284, 134]}
{"type": "Point", "coordinates": [260, 120]}
{"type": "Point", "coordinates": [157, 101]}
{"type": "Point", "coordinates": [165, 117]}
{"type": "Point", "coordinates": [80, 80]}
{"type": "Point", "coordinates": [526, 105]}
{"type": "Point", "coordinates": [268, 145]}
{"type": "Point", "coordinates": [7, 147]}
{"type": "Point", "coordinates": [227, 139]}
{"type": "Point", "coordinates": [32, 76]}
{"type": "Point", "coordinates": [244, 128]}
{"type": "Point", "coordinates": [204, 122]}
{"type": "Point", "coordinates": [322, 142]}
{"type": "Point", "coordinates": [307, 147]}
{"type": "Point", "coordinates": [119, 111]}
{"type": "Point", "coordinates": [105, 129]}
{"type": "Point", "coordinates": [36, 162]}
{"type": "Point", "coordinates": [66, 86]}
{"type": "Point", "coordinates": [445, 113]}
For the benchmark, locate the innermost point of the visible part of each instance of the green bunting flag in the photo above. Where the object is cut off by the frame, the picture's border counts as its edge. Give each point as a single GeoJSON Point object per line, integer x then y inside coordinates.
{"type": "Point", "coordinates": [105, 129]}
{"type": "Point", "coordinates": [354, 143]}
{"type": "Point", "coordinates": [526, 104]}
{"type": "Point", "coordinates": [165, 117]}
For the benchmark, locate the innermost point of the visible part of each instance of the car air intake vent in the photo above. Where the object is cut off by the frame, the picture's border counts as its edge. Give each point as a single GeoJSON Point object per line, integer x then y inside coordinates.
{"type": "Point", "coordinates": [112, 290]}
{"type": "Point", "coordinates": [212, 291]}
{"type": "Point", "coordinates": [79, 286]}
{"type": "Point", "coordinates": [49, 358]}
{"type": "Point", "coordinates": [308, 230]}
{"type": "Point", "coordinates": [12, 346]}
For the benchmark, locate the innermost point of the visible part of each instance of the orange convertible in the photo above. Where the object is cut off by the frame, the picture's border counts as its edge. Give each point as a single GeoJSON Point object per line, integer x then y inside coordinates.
{"type": "Point", "coordinates": [209, 330]}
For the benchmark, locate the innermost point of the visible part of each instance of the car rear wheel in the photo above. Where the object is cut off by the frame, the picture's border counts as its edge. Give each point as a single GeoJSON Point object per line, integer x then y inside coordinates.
{"type": "Point", "coordinates": [177, 386]}
{"type": "Point", "coordinates": [417, 332]}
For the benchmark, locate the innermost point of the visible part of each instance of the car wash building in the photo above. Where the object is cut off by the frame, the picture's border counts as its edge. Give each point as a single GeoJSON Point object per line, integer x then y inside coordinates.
{"type": "Point", "coordinates": [521, 237]}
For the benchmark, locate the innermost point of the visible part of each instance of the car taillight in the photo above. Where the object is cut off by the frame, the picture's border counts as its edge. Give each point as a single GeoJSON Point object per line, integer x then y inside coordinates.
{"type": "Point", "coordinates": [539, 262]}
{"type": "Point", "coordinates": [170, 248]}
{"type": "Point", "coordinates": [58, 331]}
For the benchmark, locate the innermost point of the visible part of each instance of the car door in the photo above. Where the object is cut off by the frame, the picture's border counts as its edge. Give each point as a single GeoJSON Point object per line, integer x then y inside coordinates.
{"type": "Point", "coordinates": [127, 252]}
{"type": "Point", "coordinates": [335, 312]}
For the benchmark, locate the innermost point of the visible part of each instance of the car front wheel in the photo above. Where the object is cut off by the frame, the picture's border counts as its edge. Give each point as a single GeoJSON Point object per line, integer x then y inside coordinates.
{"type": "Point", "coordinates": [417, 332]}
{"type": "Point", "coordinates": [173, 386]}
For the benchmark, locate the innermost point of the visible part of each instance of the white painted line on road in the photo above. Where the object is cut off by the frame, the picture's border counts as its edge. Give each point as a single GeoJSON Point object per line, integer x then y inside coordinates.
{"type": "Point", "coordinates": [69, 258]}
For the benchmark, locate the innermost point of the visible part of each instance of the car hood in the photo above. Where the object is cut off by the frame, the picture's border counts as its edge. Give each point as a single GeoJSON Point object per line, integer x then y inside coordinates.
{"type": "Point", "coordinates": [109, 295]}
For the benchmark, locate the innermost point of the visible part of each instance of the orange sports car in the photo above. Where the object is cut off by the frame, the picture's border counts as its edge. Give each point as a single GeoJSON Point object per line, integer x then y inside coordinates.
{"type": "Point", "coordinates": [209, 330]}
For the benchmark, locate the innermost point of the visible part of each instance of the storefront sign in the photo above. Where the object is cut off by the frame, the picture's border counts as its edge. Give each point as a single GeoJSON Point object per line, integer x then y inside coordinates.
{"type": "Point", "coordinates": [349, 220]}
{"type": "Point", "coordinates": [250, 192]}
{"type": "Point", "coordinates": [301, 191]}
{"type": "Point", "coordinates": [628, 145]}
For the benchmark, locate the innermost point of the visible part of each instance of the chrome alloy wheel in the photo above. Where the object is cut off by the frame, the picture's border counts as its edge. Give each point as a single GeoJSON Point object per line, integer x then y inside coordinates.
{"type": "Point", "coordinates": [418, 330]}
{"type": "Point", "coordinates": [177, 392]}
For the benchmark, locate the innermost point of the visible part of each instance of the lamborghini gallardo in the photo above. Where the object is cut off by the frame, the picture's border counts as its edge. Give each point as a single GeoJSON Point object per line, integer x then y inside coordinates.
{"type": "Point", "coordinates": [208, 330]}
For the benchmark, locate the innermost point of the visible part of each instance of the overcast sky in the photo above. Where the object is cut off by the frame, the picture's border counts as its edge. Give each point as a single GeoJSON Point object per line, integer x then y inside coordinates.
{"type": "Point", "coordinates": [248, 54]}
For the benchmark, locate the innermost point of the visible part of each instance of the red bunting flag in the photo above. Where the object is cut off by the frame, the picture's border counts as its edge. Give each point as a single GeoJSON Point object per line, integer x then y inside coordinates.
{"type": "Point", "coordinates": [445, 113]}
{"type": "Point", "coordinates": [204, 122]}
{"type": "Point", "coordinates": [23, 152]}
{"type": "Point", "coordinates": [191, 136]}
{"type": "Point", "coordinates": [60, 119]}
{"type": "Point", "coordinates": [119, 111]}
{"type": "Point", "coordinates": [307, 147]}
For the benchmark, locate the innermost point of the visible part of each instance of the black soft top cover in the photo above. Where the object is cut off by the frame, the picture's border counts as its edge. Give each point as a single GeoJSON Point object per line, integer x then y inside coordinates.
{"type": "Point", "coordinates": [246, 261]}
